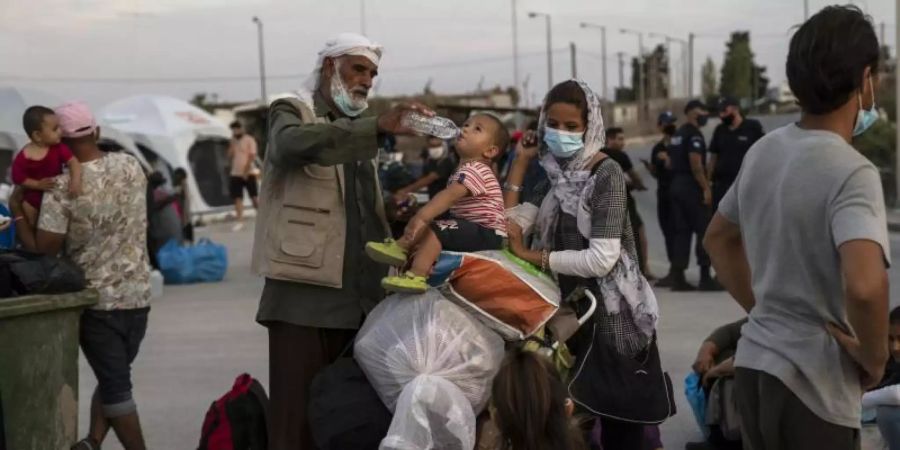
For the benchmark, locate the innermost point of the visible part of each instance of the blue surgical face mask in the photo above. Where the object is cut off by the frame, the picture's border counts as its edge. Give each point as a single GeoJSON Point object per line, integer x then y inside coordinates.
{"type": "Point", "coordinates": [343, 99]}
{"type": "Point", "coordinates": [563, 144]}
{"type": "Point", "coordinates": [865, 118]}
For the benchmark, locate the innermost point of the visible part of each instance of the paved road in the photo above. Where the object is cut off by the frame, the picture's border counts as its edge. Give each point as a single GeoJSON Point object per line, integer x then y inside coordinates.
{"type": "Point", "coordinates": [201, 337]}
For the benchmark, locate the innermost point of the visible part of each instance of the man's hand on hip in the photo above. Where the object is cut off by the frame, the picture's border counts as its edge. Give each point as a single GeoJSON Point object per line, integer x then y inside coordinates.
{"type": "Point", "coordinates": [390, 122]}
{"type": "Point", "coordinates": [871, 369]}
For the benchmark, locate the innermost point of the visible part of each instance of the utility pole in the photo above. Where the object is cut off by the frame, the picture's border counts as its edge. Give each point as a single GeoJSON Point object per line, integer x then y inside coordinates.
{"type": "Point", "coordinates": [642, 94]}
{"type": "Point", "coordinates": [897, 96]}
{"type": "Point", "coordinates": [362, 16]}
{"type": "Point", "coordinates": [621, 56]}
{"type": "Point", "coordinates": [805, 10]}
{"type": "Point", "coordinates": [549, 48]}
{"type": "Point", "coordinates": [515, 38]}
{"type": "Point", "coordinates": [572, 57]}
{"type": "Point", "coordinates": [882, 41]}
{"type": "Point", "coordinates": [691, 65]}
{"type": "Point", "coordinates": [262, 60]}
{"type": "Point", "coordinates": [602, 53]}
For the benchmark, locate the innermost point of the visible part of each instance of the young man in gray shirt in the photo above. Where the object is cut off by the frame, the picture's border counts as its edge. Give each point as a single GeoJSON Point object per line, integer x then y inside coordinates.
{"type": "Point", "coordinates": [800, 241]}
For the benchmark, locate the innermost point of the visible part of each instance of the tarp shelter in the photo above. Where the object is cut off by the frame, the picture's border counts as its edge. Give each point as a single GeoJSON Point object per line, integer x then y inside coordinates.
{"type": "Point", "coordinates": [14, 101]}
{"type": "Point", "coordinates": [172, 133]}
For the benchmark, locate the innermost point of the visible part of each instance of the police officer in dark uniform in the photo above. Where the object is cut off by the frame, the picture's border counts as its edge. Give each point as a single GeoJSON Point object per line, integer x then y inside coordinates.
{"type": "Point", "coordinates": [658, 167]}
{"type": "Point", "coordinates": [691, 197]}
{"type": "Point", "coordinates": [730, 142]}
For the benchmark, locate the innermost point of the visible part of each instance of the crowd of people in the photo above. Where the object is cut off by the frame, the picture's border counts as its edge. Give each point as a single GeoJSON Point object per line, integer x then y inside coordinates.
{"type": "Point", "coordinates": [791, 222]}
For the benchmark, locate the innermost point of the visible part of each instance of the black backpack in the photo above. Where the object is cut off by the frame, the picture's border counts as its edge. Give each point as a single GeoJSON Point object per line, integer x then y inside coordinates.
{"type": "Point", "coordinates": [237, 420]}
{"type": "Point", "coordinates": [345, 412]}
{"type": "Point", "coordinates": [26, 273]}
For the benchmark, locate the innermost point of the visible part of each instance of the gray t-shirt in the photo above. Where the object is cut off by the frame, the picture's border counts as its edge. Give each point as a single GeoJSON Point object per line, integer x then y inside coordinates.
{"type": "Point", "coordinates": [799, 195]}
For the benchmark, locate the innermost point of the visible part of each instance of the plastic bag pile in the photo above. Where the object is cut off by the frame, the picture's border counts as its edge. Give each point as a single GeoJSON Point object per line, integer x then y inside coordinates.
{"type": "Point", "coordinates": [432, 364]}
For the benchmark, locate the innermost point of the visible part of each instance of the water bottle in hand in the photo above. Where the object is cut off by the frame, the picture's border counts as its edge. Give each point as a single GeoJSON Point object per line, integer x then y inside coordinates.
{"type": "Point", "coordinates": [440, 127]}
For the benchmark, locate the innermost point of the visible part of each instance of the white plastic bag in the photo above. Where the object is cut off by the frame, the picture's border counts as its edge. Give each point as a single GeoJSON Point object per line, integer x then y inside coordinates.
{"type": "Point", "coordinates": [410, 335]}
{"type": "Point", "coordinates": [432, 413]}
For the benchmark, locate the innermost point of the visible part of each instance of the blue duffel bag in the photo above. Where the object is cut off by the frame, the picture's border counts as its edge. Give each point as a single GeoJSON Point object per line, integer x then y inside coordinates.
{"type": "Point", "coordinates": [210, 261]}
{"type": "Point", "coordinates": [175, 263]}
{"type": "Point", "coordinates": [204, 262]}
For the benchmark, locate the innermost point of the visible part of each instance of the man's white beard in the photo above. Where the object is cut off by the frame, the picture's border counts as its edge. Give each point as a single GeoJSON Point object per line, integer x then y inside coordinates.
{"type": "Point", "coordinates": [349, 103]}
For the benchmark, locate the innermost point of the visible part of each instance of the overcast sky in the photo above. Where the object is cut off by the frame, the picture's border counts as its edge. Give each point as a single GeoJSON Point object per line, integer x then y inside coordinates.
{"type": "Point", "coordinates": [102, 50]}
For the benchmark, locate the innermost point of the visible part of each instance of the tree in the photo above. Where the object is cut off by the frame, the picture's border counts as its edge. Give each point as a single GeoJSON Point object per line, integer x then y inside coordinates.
{"type": "Point", "coordinates": [656, 73]}
{"type": "Point", "coordinates": [709, 85]}
{"type": "Point", "coordinates": [742, 78]}
{"type": "Point", "coordinates": [761, 82]}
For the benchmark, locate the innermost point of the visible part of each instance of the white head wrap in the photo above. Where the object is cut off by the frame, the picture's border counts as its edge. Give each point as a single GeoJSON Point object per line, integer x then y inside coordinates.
{"type": "Point", "coordinates": [340, 45]}
{"type": "Point", "coordinates": [573, 183]}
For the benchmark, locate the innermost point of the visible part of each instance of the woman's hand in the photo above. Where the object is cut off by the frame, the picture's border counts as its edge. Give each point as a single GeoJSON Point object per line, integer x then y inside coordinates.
{"type": "Point", "coordinates": [527, 148]}
{"type": "Point", "coordinates": [515, 236]}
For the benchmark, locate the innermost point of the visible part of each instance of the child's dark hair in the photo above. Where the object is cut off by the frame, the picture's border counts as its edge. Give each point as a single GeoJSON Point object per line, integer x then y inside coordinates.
{"type": "Point", "coordinates": [179, 174]}
{"type": "Point", "coordinates": [612, 132]}
{"type": "Point", "coordinates": [828, 56]}
{"type": "Point", "coordinates": [236, 125]}
{"type": "Point", "coordinates": [33, 119]}
{"type": "Point", "coordinates": [501, 135]}
{"type": "Point", "coordinates": [568, 92]}
{"type": "Point", "coordinates": [529, 402]}
{"type": "Point", "coordinates": [894, 318]}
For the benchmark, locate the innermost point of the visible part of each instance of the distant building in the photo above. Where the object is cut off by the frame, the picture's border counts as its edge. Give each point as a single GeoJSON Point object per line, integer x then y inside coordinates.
{"type": "Point", "coordinates": [782, 95]}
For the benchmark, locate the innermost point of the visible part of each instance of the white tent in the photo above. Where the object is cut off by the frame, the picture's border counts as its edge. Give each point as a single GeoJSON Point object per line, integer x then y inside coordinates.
{"type": "Point", "coordinates": [172, 133]}
{"type": "Point", "coordinates": [14, 101]}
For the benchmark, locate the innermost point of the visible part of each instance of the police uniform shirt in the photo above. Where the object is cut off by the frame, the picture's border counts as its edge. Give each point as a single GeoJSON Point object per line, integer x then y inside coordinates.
{"type": "Point", "coordinates": [730, 146]}
{"type": "Point", "coordinates": [663, 175]}
{"type": "Point", "coordinates": [687, 140]}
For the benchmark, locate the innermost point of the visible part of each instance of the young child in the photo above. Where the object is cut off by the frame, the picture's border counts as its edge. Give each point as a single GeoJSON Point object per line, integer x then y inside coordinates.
{"type": "Point", "coordinates": [476, 219]}
{"type": "Point", "coordinates": [40, 161]}
{"type": "Point", "coordinates": [530, 406]}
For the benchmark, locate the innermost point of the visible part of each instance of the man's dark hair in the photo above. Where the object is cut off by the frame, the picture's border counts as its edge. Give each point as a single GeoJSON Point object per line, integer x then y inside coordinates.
{"type": "Point", "coordinates": [501, 135]}
{"type": "Point", "coordinates": [828, 56]}
{"type": "Point", "coordinates": [33, 119]}
{"type": "Point", "coordinates": [612, 132]}
{"type": "Point", "coordinates": [895, 316]}
{"type": "Point", "coordinates": [236, 125]}
{"type": "Point", "coordinates": [568, 92]}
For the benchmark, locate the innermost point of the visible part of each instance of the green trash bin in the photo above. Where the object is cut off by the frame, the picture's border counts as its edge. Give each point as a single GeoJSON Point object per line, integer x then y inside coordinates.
{"type": "Point", "coordinates": [39, 369]}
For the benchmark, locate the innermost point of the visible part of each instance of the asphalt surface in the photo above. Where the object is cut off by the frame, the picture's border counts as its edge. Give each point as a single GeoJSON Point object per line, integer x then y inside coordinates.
{"type": "Point", "coordinates": [201, 337]}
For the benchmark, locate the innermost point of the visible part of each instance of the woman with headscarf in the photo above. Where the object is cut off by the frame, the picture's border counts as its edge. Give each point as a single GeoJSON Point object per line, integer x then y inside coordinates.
{"type": "Point", "coordinates": [582, 235]}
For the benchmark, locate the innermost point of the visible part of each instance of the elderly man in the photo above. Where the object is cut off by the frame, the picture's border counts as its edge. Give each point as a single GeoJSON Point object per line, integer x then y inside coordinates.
{"type": "Point", "coordinates": [104, 233]}
{"type": "Point", "coordinates": [319, 203]}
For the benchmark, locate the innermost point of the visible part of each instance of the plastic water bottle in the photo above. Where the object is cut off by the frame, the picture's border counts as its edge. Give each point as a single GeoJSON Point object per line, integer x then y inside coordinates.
{"type": "Point", "coordinates": [440, 127]}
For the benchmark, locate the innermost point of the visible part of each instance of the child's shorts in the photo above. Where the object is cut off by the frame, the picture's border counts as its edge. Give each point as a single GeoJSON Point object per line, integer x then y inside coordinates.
{"type": "Point", "coordinates": [460, 235]}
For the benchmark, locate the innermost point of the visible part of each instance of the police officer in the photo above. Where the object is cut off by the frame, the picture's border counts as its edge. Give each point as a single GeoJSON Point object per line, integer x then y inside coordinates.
{"type": "Point", "coordinates": [658, 167]}
{"type": "Point", "coordinates": [691, 197]}
{"type": "Point", "coordinates": [730, 142]}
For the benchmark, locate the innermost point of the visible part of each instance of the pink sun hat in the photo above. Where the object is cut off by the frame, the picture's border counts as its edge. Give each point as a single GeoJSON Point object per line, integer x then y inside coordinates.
{"type": "Point", "coordinates": [76, 119]}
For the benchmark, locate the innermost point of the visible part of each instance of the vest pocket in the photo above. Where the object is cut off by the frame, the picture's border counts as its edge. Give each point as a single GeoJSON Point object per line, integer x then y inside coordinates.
{"type": "Point", "coordinates": [303, 237]}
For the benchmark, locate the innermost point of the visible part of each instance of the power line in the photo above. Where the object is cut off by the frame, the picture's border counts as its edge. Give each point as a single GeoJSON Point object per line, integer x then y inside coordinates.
{"type": "Point", "coordinates": [246, 78]}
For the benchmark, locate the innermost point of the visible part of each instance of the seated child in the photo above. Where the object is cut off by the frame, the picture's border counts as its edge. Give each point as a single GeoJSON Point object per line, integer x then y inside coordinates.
{"type": "Point", "coordinates": [530, 407]}
{"type": "Point", "coordinates": [885, 398]}
{"type": "Point", "coordinates": [40, 161]}
{"type": "Point", "coordinates": [476, 219]}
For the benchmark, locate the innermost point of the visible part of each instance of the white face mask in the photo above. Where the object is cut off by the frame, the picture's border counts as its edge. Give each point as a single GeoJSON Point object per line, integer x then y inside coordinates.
{"type": "Point", "coordinates": [349, 104]}
{"type": "Point", "coordinates": [436, 152]}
